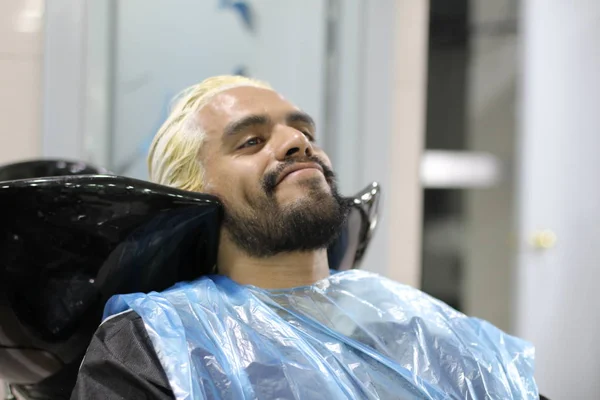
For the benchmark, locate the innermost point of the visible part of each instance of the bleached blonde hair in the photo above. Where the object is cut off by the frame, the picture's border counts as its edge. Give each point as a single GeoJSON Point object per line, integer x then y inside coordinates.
{"type": "Point", "coordinates": [173, 156]}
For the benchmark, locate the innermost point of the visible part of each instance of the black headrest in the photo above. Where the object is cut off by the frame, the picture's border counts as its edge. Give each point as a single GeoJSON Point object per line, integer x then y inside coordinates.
{"type": "Point", "coordinates": [68, 243]}
{"type": "Point", "coordinates": [47, 167]}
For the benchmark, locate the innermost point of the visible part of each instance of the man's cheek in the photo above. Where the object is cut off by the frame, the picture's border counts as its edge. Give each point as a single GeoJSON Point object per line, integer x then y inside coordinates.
{"type": "Point", "coordinates": [208, 185]}
{"type": "Point", "coordinates": [227, 187]}
{"type": "Point", "coordinates": [215, 185]}
{"type": "Point", "coordinates": [213, 176]}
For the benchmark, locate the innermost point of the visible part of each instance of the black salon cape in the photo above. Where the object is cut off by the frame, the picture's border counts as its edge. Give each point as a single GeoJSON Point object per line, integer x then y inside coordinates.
{"type": "Point", "coordinates": [121, 363]}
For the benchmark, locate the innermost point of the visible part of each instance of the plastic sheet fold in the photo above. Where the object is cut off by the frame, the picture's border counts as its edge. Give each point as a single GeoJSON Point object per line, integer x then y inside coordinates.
{"type": "Point", "coordinates": [354, 335]}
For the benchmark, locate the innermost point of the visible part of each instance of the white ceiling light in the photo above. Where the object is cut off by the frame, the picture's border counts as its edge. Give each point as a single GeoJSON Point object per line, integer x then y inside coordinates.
{"type": "Point", "coordinates": [459, 169]}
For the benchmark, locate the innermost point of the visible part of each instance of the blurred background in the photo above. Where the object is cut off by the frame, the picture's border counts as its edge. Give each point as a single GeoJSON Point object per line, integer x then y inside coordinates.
{"type": "Point", "coordinates": [478, 117]}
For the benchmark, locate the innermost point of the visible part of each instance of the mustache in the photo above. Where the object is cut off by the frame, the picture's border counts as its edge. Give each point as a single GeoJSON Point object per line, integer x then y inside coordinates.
{"type": "Point", "coordinates": [270, 179]}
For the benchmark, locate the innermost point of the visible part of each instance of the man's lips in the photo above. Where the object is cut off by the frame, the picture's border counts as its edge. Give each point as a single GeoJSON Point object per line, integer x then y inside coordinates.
{"type": "Point", "coordinates": [297, 167]}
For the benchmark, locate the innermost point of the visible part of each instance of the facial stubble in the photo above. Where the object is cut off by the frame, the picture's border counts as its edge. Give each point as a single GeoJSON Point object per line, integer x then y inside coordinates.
{"type": "Point", "coordinates": [309, 223]}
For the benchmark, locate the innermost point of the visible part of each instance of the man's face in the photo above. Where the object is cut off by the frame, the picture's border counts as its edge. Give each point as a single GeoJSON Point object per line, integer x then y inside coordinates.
{"type": "Point", "coordinates": [261, 159]}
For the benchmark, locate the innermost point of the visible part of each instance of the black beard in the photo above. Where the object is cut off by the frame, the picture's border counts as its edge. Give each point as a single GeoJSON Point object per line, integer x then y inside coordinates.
{"type": "Point", "coordinates": [312, 223]}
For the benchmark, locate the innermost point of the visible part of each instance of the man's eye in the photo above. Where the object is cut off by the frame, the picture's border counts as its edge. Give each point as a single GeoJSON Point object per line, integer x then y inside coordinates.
{"type": "Point", "coordinates": [309, 136]}
{"type": "Point", "coordinates": [251, 142]}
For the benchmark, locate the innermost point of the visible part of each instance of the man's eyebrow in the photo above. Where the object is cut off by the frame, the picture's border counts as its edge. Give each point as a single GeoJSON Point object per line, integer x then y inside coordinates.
{"type": "Point", "coordinates": [239, 126]}
{"type": "Point", "coordinates": [299, 116]}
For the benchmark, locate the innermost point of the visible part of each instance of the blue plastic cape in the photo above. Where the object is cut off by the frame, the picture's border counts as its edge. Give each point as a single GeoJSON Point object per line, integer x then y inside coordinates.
{"type": "Point", "coordinates": [354, 335]}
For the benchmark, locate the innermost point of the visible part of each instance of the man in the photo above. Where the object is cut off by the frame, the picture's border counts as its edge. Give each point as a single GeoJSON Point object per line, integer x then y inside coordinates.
{"type": "Point", "coordinates": [274, 322]}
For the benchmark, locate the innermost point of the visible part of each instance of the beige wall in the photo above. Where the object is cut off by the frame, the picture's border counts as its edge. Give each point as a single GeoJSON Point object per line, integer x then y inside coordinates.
{"type": "Point", "coordinates": [404, 209]}
{"type": "Point", "coordinates": [382, 127]}
{"type": "Point", "coordinates": [20, 79]}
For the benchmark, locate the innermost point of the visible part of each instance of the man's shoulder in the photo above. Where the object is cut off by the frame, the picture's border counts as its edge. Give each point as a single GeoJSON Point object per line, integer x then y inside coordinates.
{"type": "Point", "coordinates": [120, 337]}
{"type": "Point", "coordinates": [126, 323]}
{"type": "Point", "coordinates": [120, 320]}
{"type": "Point", "coordinates": [121, 362]}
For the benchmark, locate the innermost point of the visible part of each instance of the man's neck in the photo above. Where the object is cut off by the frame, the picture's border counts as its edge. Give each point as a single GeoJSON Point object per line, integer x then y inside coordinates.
{"type": "Point", "coordinates": [280, 271]}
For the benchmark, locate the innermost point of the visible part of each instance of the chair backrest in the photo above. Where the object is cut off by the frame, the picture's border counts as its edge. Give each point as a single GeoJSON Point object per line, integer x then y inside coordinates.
{"type": "Point", "coordinates": [348, 251]}
{"type": "Point", "coordinates": [46, 167]}
{"type": "Point", "coordinates": [68, 243]}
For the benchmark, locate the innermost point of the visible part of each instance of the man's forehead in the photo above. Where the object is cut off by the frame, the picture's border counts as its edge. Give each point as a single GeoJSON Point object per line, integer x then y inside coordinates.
{"type": "Point", "coordinates": [235, 103]}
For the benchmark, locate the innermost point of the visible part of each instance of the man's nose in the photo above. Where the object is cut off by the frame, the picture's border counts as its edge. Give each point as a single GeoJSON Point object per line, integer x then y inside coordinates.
{"type": "Point", "coordinates": [291, 142]}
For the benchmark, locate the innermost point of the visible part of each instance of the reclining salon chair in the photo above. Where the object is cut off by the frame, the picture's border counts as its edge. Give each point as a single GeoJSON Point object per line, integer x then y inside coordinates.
{"type": "Point", "coordinates": [72, 235]}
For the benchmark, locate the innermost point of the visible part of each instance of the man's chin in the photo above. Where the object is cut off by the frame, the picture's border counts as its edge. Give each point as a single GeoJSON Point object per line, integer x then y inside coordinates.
{"type": "Point", "coordinates": [314, 189]}
{"type": "Point", "coordinates": [303, 217]}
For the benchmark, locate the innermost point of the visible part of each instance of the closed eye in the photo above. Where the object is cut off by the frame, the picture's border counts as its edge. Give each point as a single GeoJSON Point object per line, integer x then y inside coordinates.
{"type": "Point", "coordinates": [309, 136]}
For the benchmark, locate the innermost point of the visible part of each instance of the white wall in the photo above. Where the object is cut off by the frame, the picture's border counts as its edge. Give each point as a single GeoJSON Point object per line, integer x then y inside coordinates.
{"type": "Point", "coordinates": [63, 79]}
{"type": "Point", "coordinates": [20, 79]}
{"type": "Point", "coordinates": [20, 82]}
{"type": "Point", "coordinates": [559, 190]}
